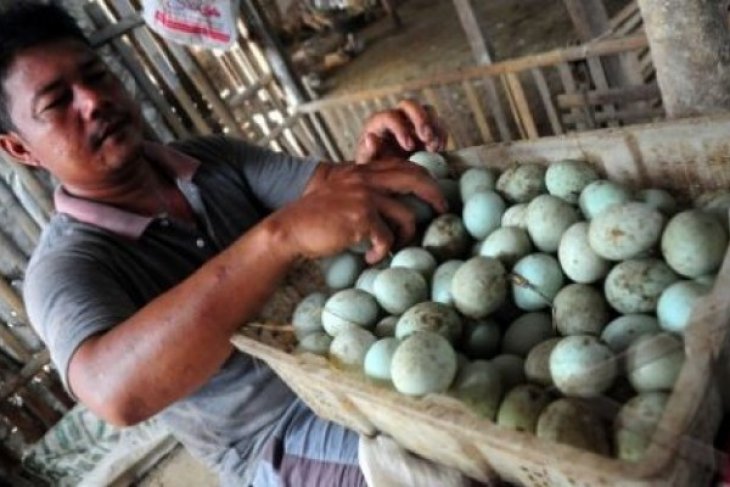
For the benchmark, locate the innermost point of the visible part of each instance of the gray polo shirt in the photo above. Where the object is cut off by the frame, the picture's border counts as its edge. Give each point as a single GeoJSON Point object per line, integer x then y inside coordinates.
{"type": "Point", "coordinates": [96, 265]}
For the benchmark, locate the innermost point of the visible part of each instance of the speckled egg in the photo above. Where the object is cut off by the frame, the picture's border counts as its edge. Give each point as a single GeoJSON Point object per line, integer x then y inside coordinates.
{"type": "Point", "coordinates": [567, 179]}
{"type": "Point", "coordinates": [580, 309]}
{"type": "Point", "coordinates": [386, 327]}
{"type": "Point", "coordinates": [379, 357]}
{"type": "Point", "coordinates": [601, 195]}
{"type": "Point", "coordinates": [581, 366]}
{"type": "Point", "coordinates": [522, 406]}
{"type": "Point", "coordinates": [366, 281]}
{"type": "Point", "coordinates": [307, 317]}
{"type": "Point", "coordinates": [433, 162]}
{"type": "Point", "coordinates": [538, 280]}
{"type": "Point", "coordinates": [479, 287]}
{"type": "Point", "coordinates": [479, 385]}
{"type": "Point", "coordinates": [548, 217]}
{"type": "Point", "coordinates": [521, 183]}
{"type": "Point", "coordinates": [676, 303]}
{"type": "Point", "coordinates": [515, 216]}
{"type": "Point", "coordinates": [634, 286]}
{"type": "Point", "coordinates": [441, 284]}
{"type": "Point", "coordinates": [430, 316]}
{"type": "Point", "coordinates": [653, 362]}
{"type": "Point", "coordinates": [507, 244]}
{"type": "Point", "coordinates": [511, 369]}
{"type": "Point", "coordinates": [571, 422]}
{"type": "Point", "coordinates": [659, 199]}
{"type": "Point", "coordinates": [483, 213]}
{"type": "Point", "coordinates": [341, 270]}
{"type": "Point", "coordinates": [694, 243]}
{"type": "Point", "coordinates": [423, 363]}
{"type": "Point", "coordinates": [625, 231]}
{"type": "Point", "coordinates": [481, 338]}
{"type": "Point", "coordinates": [317, 343]}
{"type": "Point", "coordinates": [526, 332]}
{"type": "Point", "coordinates": [475, 180]}
{"type": "Point", "coordinates": [417, 259]}
{"type": "Point", "coordinates": [537, 363]}
{"type": "Point", "coordinates": [349, 308]}
{"type": "Point", "coordinates": [578, 260]}
{"type": "Point", "coordinates": [350, 346]}
{"type": "Point", "coordinates": [447, 238]}
{"type": "Point", "coordinates": [620, 332]}
{"type": "Point", "coordinates": [399, 288]}
{"type": "Point", "coordinates": [636, 423]}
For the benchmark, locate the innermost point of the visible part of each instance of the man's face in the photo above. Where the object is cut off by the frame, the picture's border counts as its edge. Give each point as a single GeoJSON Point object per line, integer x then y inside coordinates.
{"type": "Point", "coordinates": [72, 115]}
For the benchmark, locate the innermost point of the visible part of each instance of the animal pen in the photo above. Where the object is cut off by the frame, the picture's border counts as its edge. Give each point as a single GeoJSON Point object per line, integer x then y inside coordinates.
{"type": "Point", "coordinates": [251, 92]}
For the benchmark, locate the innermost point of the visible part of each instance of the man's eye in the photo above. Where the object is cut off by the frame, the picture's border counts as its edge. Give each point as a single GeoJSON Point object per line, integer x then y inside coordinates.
{"type": "Point", "coordinates": [96, 76]}
{"type": "Point", "coordinates": [58, 101]}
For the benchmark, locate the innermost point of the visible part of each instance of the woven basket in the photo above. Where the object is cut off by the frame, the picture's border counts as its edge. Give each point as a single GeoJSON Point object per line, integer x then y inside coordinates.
{"type": "Point", "coordinates": [688, 157]}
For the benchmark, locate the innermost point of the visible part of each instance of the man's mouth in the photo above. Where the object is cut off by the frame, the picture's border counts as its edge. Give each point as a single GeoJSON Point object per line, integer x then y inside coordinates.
{"type": "Point", "coordinates": [106, 130]}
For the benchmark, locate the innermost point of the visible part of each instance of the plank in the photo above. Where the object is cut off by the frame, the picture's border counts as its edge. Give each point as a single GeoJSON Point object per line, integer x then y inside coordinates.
{"type": "Point", "coordinates": [625, 116]}
{"type": "Point", "coordinates": [522, 107]}
{"type": "Point", "coordinates": [550, 58]}
{"type": "Point", "coordinates": [601, 83]}
{"type": "Point", "coordinates": [113, 31]}
{"type": "Point", "coordinates": [612, 95]}
{"type": "Point", "coordinates": [583, 119]}
{"type": "Point", "coordinates": [475, 32]}
{"type": "Point", "coordinates": [429, 95]}
{"type": "Point", "coordinates": [547, 100]}
{"type": "Point", "coordinates": [33, 366]}
{"type": "Point", "coordinates": [495, 105]}
{"type": "Point", "coordinates": [472, 98]}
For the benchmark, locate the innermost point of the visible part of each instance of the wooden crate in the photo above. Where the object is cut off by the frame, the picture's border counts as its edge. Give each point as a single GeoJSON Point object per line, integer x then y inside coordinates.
{"type": "Point", "coordinates": [688, 157]}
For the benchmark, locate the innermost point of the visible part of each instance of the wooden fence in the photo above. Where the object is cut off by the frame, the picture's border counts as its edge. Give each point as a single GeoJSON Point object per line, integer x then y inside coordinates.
{"type": "Point", "coordinates": [525, 98]}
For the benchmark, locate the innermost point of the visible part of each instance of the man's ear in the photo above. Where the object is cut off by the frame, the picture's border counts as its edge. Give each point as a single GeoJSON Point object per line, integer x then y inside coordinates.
{"type": "Point", "coordinates": [14, 146]}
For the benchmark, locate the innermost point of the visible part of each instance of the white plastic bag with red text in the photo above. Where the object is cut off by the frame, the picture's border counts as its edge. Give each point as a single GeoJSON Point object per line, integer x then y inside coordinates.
{"type": "Point", "coordinates": [205, 23]}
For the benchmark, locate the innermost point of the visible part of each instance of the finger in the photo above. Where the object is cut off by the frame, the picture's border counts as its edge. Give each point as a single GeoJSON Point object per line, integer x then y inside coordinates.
{"type": "Point", "coordinates": [441, 135]}
{"type": "Point", "coordinates": [420, 118]}
{"type": "Point", "coordinates": [400, 218]}
{"type": "Point", "coordinates": [368, 148]}
{"type": "Point", "coordinates": [381, 238]}
{"type": "Point", "coordinates": [395, 176]}
{"type": "Point", "coordinates": [393, 122]}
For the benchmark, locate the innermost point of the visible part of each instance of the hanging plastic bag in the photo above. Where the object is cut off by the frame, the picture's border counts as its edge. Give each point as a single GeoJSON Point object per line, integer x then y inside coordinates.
{"type": "Point", "coordinates": [205, 23]}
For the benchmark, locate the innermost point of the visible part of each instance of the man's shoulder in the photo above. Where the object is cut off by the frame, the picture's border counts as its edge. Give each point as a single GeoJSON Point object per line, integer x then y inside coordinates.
{"type": "Point", "coordinates": [210, 148]}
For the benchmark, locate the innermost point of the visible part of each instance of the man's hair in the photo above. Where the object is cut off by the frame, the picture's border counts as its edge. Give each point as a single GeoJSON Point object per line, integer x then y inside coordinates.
{"type": "Point", "coordinates": [25, 24]}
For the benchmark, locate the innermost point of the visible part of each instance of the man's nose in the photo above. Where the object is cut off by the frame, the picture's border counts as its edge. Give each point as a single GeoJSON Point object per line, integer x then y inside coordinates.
{"type": "Point", "coordinates": [90, 100]}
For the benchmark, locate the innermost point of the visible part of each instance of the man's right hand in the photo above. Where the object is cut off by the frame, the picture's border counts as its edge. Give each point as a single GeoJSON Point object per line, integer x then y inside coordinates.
{"type": "Point", "coordinates": [344, 204]}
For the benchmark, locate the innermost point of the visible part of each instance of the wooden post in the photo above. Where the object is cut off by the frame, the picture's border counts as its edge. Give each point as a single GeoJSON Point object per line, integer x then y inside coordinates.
{"type": "Point", "coordinates": [690, 46]}
{"type": "Point", "coordinates": [475, 34]}
{"type": "Point", "coordinates": [591, 20]}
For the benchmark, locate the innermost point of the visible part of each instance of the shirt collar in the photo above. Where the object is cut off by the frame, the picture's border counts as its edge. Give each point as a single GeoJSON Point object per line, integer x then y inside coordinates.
{"type": "Point", "coordinates": [122, 222]}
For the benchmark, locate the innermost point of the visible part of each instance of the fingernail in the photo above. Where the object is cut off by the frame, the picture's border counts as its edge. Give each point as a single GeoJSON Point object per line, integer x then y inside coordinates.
{"type": "Point", "coordinates": [427, 132]}
{"type": "Point", "coordinates": [410, 143]}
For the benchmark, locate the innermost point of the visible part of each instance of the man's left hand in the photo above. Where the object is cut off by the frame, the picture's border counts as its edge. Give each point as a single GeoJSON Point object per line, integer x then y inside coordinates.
{"type": "Point", "coordinates": [408, 128]}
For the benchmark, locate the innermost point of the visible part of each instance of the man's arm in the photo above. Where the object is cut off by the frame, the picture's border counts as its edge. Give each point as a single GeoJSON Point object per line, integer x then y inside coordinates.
{"type": "Point", "coordinates": [175, 343]}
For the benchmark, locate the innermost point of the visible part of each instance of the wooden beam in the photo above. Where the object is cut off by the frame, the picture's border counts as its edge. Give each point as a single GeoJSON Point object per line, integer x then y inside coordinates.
{"type": "Point", "coordinates": [475, 33]}
{"type": "Point", "coordinates": [113, 31]}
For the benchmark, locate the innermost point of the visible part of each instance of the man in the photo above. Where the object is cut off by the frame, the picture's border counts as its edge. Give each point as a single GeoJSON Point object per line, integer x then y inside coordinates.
{"type": "Point", "coordinates": [157, 254]}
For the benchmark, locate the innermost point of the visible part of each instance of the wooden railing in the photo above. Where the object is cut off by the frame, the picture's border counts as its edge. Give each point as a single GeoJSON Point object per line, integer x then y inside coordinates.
{"type": "Point", "coordinates": [544, 94]}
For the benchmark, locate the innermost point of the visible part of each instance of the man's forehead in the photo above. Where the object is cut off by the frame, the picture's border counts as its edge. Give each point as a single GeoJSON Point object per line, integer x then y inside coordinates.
{"type": "Point", "coordinates": [41, 61]}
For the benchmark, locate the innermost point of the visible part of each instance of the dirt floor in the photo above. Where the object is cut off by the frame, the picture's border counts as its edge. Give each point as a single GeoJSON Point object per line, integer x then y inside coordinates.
{"type": "Point", "coordinates": [432, 39]}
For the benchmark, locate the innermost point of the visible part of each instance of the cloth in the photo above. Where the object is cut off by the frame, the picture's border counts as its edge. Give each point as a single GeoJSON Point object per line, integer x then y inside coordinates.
{"type": "Point", "coordinates": [385, 463]}
{"type": "Point", "coordinates": [204, 23]}
{"type": "Point", "coordinates": [82, 450]}
{"type": "Point", "coordinates": [95, 266]}
{"type": "Point", "coordinates": [308, 451]}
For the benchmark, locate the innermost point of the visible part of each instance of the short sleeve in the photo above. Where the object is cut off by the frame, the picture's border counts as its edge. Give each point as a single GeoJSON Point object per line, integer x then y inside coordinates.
{"type": "Point", "coordinates": [274, 178]}
{"type": "Point", "coordinates": [69, 299]}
